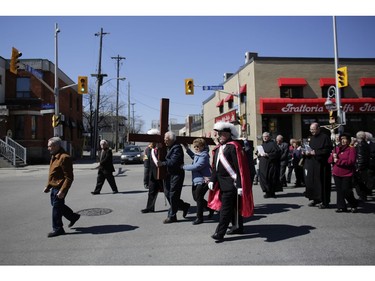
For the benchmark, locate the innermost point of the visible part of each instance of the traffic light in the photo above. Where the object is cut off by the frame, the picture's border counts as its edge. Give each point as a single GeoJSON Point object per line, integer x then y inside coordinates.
{"type": "Point", "coordinates": [189, 86]}
{"type": "Point", "coordinates": [82, 85]}
{"type": "Point", "coordinates": [342, 76]}
{"type": "Point", "coordinates": [56, 120]}
{"type": "Point", "coordinates": [14, 61]}
{"type": "Point", "coordinates": [332, 116]}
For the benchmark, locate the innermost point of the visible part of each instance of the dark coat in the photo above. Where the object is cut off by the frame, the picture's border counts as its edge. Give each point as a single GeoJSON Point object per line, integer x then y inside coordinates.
{"type": "Point", "coordinates": [106, 161]}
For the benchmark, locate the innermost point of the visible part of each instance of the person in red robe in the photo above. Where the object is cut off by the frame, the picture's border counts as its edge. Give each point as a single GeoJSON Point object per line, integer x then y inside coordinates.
{"type": "Point", "coordinates": [230, 183]}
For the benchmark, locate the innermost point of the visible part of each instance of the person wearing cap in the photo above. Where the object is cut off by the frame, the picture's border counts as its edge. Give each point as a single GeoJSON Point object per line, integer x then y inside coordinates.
{"type": "Point", "coordinates": [343, 159]}
{"type": "Point", "coordinates": [174, 160]}
{"type": "Point", "coordinates": [230, 183]}
{"type": "Point", "coordinates": [152, 183]}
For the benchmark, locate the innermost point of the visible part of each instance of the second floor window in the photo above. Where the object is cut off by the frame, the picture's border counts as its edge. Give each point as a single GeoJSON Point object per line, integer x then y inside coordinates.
{"type": "Point", "coordinates": [23, 87]}
{"type": "Point", "coordinates": [291, 92]}
{"type": "Point", "coordinates": [368, 91]}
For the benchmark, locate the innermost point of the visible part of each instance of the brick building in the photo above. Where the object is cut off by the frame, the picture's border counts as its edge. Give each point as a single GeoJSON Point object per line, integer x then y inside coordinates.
{"type": "Point", "coordinates": [28, 106]}
{"type": "Point", "coordinates": [285, 95]}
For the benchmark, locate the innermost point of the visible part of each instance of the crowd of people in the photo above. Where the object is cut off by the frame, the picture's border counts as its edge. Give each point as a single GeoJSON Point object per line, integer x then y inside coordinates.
{"type": "Point", "coordinates": [347, 161]}
{"type": "Point", "coordinates": [229, 177]}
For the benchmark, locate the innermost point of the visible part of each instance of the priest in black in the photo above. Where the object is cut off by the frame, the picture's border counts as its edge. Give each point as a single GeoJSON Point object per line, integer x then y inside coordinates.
{"type": "Point", "coordinates": [317, 171]}
{"type": "Point", "coordinates": [269, 166]}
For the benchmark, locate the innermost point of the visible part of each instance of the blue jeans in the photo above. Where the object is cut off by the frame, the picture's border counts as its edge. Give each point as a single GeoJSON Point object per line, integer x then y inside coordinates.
{"type": "Point", "coordinates": [59, 209]}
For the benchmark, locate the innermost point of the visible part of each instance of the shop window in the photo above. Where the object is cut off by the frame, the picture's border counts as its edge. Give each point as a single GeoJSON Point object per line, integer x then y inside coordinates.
{"type": "Point", "coordinates": [368, 91]}
{"type": "Point", "coordinates": [23, 87]}
{"type": "Point", "coordinates": [291, 92]}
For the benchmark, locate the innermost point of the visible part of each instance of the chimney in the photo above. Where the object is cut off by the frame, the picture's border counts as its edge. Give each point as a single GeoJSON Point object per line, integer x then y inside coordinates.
{"type": "Point", "coordinates": [249, 56]}
{"type": "Point", "coordinates": [227, 75]}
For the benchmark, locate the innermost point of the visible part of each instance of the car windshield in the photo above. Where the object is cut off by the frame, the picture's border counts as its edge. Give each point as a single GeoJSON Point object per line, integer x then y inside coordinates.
{"type": "Point", "coordinates": [131, 149]}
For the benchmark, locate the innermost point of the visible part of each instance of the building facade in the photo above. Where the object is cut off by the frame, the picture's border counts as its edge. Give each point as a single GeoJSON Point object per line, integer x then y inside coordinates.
{"type": "Point", "coordinates": [28, 106]}
{"type": "Point", "coordinates": [285, 95]}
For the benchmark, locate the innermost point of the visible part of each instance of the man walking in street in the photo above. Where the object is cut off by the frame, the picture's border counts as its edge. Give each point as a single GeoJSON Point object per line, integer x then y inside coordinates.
{"type": "Point", "coordinates": [60, 179]}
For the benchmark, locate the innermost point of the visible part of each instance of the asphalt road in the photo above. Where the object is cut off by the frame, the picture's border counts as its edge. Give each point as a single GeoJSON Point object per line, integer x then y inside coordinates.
{"type": "Point", "coordinates": [113, 231]}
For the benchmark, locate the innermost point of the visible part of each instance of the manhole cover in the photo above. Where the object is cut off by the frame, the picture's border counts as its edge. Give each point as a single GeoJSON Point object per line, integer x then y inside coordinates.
{"type": "Point", "coordinates": [95, 212]}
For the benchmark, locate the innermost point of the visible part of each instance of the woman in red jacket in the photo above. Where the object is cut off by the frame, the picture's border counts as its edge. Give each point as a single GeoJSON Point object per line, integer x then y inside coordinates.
{"type": "Point", "coordinates": [343, 159]}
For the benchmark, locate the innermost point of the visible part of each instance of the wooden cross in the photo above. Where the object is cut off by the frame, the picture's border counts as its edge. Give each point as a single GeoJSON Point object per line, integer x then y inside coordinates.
{"type": "Point", "coordinates": [164, 117]}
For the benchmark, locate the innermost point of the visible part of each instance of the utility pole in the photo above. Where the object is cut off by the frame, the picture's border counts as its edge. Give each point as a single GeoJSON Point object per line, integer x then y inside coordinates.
{"type": "Point", "coordinates": [129, 131]}
{"type": "Point", "coordinates": [99, 81]}
{"type": "Point", "coordinates": [133, 126]}
{"type": "Point", "coordinates": [118, 58]}
{"type": "Point", "coordinates": [57, 129]}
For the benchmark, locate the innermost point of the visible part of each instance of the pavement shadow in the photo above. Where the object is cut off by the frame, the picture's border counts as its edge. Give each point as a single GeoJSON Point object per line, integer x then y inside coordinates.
{"type": "Point", "coordinates": [267, 209]}
{"type": "Point", "coordinates": [272, 232]}
{"type": "Point", "coordinates": [104, 229]}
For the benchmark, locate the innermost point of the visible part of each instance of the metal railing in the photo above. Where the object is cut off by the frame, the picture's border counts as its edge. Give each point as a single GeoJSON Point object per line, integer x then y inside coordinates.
{"type": "Point", "coordinates": [13, 151]}
{"type": "Point", "coordinates": [8, 152]}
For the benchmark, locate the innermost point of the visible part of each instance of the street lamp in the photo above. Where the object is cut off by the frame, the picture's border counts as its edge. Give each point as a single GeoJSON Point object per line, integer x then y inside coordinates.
{"type": "Point", "coordinates": [329, 104]}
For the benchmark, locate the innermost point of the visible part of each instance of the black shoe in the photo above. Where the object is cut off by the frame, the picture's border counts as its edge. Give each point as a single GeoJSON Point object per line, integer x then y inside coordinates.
{"type": "Point", "coordinates": [354, 210]}
{"type": "Point", "coordinates": [114, 192]}
{"type": "Point", "coordinates": [323, 206]}
{"type": "Point", "coordinates": [170, 220]}
{"type": "Point", "coordinates": [145, 211]}
{"type": "Point", "coordinates": [341, 210]}
{"type": "Point", "coordinates": [235, 231]}
{"type": "Point", "coordinates": [211, 213]}
{"type": "Point", "coordinates": [217, 237]}
{"type": "Point", "coordinates": [313, 203]}
{"type": "Point", "coordinates": [186, 210]}
{"type": "Point", "coordinates": [94, 193]}
{"type": "Point", "coordinates": [55, 233]}
{"type": "Point", "coordinates": [72, 222]}
{"type": "Point", "coordinates": [197, 221]}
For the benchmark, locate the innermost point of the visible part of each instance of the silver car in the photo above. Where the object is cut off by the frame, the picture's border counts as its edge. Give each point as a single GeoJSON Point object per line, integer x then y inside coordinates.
{"type": "Point", "coordinates": [132, 154]}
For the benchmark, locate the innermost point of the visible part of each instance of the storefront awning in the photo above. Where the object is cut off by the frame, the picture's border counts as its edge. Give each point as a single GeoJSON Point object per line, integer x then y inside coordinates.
{"type": "Point", "coordinates": [243, 89]}
{"type": "Point", "coordinates": [291, 82]}
{"type": "Point", "coordinates": [229, 98]}
{"type": "Point", "coordinates": [327, 82]}
{"type": "Point", "coordinates": [367, 82]}
{"type": "Point", "coordinates": [220, 103]}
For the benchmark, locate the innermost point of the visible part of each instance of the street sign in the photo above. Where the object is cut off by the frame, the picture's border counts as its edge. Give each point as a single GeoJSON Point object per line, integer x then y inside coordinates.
{"type": "Point", "coordinates": [212, 88]}
{"type": "Point", "coordinates": [48, 106]}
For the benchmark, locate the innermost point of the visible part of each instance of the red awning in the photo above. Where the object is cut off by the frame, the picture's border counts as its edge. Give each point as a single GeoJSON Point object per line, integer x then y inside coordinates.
{"type": "Point", "coordinates": [292, 82]}
{"type": "Point", "coordinates": [243, 89]}
{"type": "Point", "coordinates": [228, 98]}
{"type": "Point", "coordinates": [313, 106]}
{"type": "Point", "coordinates": [327, 82]}
{"type": "Point", "coordinates": [220, 103]}
{"type": "Point", "coordinates": [367, 82]}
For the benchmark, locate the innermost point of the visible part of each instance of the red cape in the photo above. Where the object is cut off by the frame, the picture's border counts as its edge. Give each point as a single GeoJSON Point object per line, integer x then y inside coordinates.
{"type": "Point", "coordinates": [247, 203]}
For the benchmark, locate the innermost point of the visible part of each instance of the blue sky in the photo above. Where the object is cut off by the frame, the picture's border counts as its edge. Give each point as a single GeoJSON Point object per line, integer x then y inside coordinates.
{"type": "Point", "coordinates": [161, 51]}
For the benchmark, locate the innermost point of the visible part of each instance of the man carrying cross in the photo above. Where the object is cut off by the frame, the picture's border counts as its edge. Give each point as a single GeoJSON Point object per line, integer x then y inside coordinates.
{"type": "Point", "coordinates": [174, 160]}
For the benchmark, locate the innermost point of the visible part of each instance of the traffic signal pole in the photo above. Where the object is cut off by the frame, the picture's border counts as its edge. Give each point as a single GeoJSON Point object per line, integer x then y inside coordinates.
{"type": "Point", "coordinates": [338, 91]}
{"type": "Point", "coordinates": [57, 129]}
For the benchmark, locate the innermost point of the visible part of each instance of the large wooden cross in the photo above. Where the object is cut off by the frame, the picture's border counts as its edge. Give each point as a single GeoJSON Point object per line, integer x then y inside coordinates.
{"type": "Point", "coordinates": [164, 117]}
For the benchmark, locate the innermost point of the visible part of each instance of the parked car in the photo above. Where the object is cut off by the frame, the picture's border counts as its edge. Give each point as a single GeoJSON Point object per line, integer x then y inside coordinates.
{"type": "Point", "coordinates": [132, 154]}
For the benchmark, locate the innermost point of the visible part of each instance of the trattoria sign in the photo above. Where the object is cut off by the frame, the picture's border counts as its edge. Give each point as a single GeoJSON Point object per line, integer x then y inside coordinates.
{"type": "Point", "coordinates": [313, 106]}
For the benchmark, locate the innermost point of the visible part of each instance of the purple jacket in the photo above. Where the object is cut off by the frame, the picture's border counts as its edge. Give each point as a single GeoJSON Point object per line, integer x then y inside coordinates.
{"type": "Point", "coordinates": [345, 165]}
